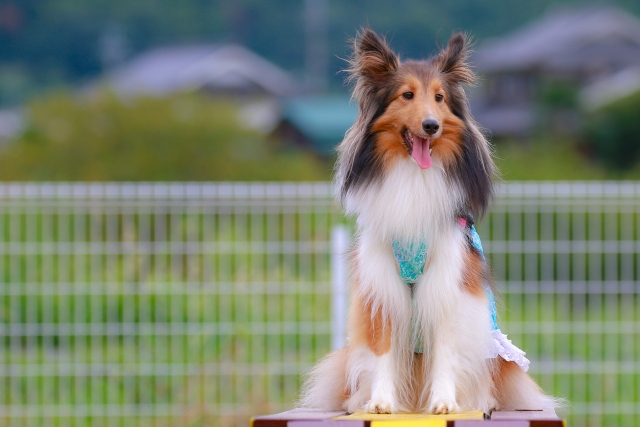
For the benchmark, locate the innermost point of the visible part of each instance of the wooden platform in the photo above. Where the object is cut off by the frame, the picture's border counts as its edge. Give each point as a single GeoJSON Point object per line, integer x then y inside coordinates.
{"type": "Point", "coordinates": [309, 418]}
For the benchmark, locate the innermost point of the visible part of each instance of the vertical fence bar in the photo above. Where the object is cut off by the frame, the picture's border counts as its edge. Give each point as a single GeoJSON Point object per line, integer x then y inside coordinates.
{"type": "Point", "coordinates": [339, 248]}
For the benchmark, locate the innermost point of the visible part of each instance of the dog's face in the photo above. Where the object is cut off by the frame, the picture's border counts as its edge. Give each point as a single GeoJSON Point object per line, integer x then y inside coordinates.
{"type": "Point", "coordinates": [418, 121]}
{"type": "Point", "coordinates": [414, 109]}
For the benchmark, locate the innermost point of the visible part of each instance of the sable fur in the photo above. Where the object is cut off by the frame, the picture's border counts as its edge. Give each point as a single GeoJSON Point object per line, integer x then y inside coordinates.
{"type": "Point", "coordinates": [399, 191]}
{"type": "Point", "coordinates": [373, 67]}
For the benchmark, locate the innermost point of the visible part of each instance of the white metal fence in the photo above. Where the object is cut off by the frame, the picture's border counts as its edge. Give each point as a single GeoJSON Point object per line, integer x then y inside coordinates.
{"type": "Point", "coordinates": [201, 304]}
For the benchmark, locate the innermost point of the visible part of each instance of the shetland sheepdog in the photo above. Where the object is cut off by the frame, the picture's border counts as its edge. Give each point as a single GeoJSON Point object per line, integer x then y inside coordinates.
{"type": "Point", "coordinates": [416, 170]}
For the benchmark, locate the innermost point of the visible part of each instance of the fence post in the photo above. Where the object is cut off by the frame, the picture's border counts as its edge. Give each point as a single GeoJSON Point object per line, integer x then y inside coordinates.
{"type": "Point", "coordinates": [339, 248]}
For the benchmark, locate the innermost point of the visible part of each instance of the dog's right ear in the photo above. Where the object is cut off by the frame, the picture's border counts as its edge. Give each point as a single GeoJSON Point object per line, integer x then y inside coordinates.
{"type": "Point", "coordinates": [373, 60]}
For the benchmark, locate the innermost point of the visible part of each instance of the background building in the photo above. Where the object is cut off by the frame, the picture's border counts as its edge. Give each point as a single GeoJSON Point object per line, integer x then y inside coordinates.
{"type": "Point", "coordinates": [549, 64]}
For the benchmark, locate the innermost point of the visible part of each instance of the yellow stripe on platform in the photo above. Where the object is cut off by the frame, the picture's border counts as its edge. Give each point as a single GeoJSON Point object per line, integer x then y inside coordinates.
{"type": "Point", "coordinates": [410, 423]}
{"type": "Point", "coordinates": [475, 415]}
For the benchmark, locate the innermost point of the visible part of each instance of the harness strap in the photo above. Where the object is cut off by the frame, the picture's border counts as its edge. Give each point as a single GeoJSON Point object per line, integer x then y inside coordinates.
{"type": "Point", "coordinates": [411, 259]}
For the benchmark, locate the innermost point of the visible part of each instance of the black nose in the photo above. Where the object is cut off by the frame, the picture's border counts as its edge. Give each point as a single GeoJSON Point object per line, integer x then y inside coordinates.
{"type": "Point", "coordinates": [430, 126]}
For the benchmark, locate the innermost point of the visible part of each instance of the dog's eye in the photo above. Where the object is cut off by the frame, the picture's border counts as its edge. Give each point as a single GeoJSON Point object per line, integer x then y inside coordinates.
{"type": "Point", "coordinates": [439, 97]}
{"type": "Point", "coordinates": [408, 95]}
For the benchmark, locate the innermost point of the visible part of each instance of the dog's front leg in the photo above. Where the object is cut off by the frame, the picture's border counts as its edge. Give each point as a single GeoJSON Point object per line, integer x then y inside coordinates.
{"type": "Point", "coordinates": [439, 298]}
{"type": "Point", "coordinates": [443, 370]}
{"type": "Point", "coordinates": [383, 389]}
{"type": "Point", "coordinates": [371, 332]}
{"type": "Point", "coordinates": [380, 303]}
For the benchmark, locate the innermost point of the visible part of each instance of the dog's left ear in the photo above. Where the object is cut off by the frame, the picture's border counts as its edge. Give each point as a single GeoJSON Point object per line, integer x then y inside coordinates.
{"type": "Point", "coordinates": [452, 61]}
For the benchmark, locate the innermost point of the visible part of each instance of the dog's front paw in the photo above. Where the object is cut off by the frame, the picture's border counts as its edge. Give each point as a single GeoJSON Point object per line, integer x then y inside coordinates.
{"type": "Point", "coordinates": [379, 406]}
{"type": "Point", "coordinates": [444, 406]}
{"type": "Point", "coordinates": [492, 405]}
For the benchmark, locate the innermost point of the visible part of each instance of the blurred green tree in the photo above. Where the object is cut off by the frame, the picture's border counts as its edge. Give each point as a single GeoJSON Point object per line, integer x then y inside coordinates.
{"type": "Point", "coordinates": [613, 131]}
{"type": "Point", "coordinates": [184, 137]}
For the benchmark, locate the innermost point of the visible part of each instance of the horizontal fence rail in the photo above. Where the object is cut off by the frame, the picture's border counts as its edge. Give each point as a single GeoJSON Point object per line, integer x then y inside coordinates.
{"type": "Point", "coordinates": [204, 303]}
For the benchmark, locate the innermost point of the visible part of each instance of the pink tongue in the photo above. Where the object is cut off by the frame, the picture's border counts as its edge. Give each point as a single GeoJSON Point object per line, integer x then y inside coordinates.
{"type": "Point", "coordinates": [420, 151]}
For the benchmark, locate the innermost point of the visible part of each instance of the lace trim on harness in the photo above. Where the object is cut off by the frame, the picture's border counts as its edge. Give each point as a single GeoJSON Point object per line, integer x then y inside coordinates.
{"type": "Point", "coordinates": [509, 352]}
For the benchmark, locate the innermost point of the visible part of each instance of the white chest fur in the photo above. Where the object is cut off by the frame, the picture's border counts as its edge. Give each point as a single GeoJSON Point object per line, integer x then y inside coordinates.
{"type": "Point", "coordinates": [409, 203]}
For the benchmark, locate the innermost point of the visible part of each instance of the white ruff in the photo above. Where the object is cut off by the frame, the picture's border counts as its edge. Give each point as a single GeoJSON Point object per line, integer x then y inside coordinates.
{"type": "Point", "coordinates": [409, 203]}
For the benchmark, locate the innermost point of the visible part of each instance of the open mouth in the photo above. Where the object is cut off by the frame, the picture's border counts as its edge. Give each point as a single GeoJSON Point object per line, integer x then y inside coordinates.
{"type": "Point", "coordinates": [419, 149]}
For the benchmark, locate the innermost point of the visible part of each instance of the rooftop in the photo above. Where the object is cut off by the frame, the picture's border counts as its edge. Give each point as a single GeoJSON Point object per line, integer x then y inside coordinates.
{"type": "Point", "coordinates": [565, 39]}
{"type": "Point", "coordinates": [226, 68]}
{"type": "Point", "coordinates": [323, 121]}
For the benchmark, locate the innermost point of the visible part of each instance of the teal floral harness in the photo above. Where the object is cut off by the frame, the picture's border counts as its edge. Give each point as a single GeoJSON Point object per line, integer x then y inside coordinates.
{"type": "Point", "coordinates": [411, 259]}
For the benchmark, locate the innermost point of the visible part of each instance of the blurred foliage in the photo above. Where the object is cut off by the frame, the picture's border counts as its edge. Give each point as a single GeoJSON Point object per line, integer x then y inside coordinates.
{"type": "Point", "coordinates": [193, 137]}
{"type": "Point", "coordinates": [181, 138]}
{"type": "Point", "coordinates": [557, 158]}
{"type": "Point", "coordinates": [558, 94]}
{"type": "Point", "coordinates": [613, 132]}
{"type": "Point", "coordinates": [70, 40]}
